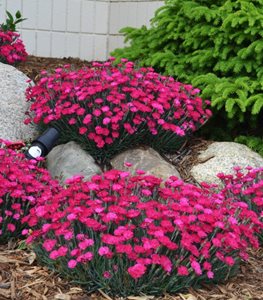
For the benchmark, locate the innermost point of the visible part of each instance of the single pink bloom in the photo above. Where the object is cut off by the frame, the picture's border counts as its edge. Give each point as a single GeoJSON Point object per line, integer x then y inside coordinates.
{"type": "Point", "coordinates": [72, 217]}
{"type": "Point", "coordinates": [87, 119]}
{"type": "Point", "coordinates": [182, 271]}
{"type": "Point", "coordinates": [72, 121]}
{"type": "Point", "coordinates": [48, 245]}
{"type": "Point", "coordinates": [146, 192]}
{"type": "Point", "coordinates": [54, 254]}
{"type": "Point", "coordinates": [86, 243]}
{"type": "Point", "coordinates": [11, 227]}
{"type": "Point", "coordinates": [46, 227]}
{"type": "Point", "coordinates": [116, 187]}
{"type": "Point", "coordinates": [72, 263]}
{"type": "Point", "coordinates": [106, 121]}
{"type": "Point", "coordinates": [137, 271]}
{"type": "Point", "coordinates": [104, 251]}
{"type": "Point", "coordinates": [97, 112]}
{"type": "Point", "coordinates": [207, 266]}
{"type": "Point", "coordinates": [107, 274]}
{"type": "Point", "coordinates": [196, 267]}
{"type": "Point", "coordinates": [140, 172]}
{"type": "Point", "coordinates": [62, 251]}
{"type": "Point", "coordinates": [229, 260]}
{"type": "Point", "coordinates": [82, 130]}
{"type": "Point", "coordinates": [40, 211]}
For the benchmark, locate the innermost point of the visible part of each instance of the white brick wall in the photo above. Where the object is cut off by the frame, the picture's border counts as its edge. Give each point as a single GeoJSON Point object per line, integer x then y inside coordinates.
{"type": "Point", "coordinates": [88, 29]}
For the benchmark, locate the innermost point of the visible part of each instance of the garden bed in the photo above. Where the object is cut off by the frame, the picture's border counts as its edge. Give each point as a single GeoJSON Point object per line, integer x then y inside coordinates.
{"type": "Point", "coordinates": [22, 278]}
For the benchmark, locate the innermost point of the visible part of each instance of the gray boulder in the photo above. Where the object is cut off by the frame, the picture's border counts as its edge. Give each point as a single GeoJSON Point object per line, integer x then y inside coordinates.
{"type": "Point", "coordinates": [67, 160]}
{"type": "Point", "coordinates": [147, 160]}
{"type": "Point", "coordinates": [221, 157]}
{"type": "Point", "coordinates": [13, 105]}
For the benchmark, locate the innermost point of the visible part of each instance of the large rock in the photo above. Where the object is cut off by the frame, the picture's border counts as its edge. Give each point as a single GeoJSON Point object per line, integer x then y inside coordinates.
{"type": "Point", "coordinates": [13, 105]}
{"type": "Point", "coordinates": [67, 160]}
{"type": "Point", "coordinates": [147, 160]}
{"type": "Point", "coordinates": [221, 157]}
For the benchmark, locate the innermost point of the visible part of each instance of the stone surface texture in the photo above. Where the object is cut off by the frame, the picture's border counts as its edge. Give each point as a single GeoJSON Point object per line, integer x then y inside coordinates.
{"type": "Point", "coordinates": [13, 105]}
{"type": "Point", "coordinates": [67, 160]}
{"type": "Point", "coordinates": [221, 157]}
{"type": "Point", "coordinates": [147, 160]}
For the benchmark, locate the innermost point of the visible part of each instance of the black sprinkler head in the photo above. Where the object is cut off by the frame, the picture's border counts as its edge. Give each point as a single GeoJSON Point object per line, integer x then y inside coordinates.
{"type": "Point", "coordinates": [41, 146]}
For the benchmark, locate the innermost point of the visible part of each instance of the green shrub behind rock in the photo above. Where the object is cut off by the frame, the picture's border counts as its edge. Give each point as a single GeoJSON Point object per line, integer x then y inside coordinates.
{"type": "Point", "coordinates": [215, 45]}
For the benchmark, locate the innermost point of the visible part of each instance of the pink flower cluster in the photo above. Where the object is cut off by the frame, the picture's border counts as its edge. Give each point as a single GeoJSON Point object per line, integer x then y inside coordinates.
{"type": "Point", "coordinates": [117, 225]}
{"type": "Point", "coordinates": [21, 182]}
{"type": "Point", "coordinates": [245, 185]}
{"type": "Point", "coordinates": [12, 49]}
{"type": "Point", "coordinates": [117, 105]}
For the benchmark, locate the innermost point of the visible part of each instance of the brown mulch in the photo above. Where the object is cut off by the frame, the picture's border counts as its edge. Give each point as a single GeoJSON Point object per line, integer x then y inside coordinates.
{"type": "Point", "coordinates": [34, 65]}
{"type": "Point", "coordinates": [187, 156]}
{"type": "Point", "coordinates": [21, 278]}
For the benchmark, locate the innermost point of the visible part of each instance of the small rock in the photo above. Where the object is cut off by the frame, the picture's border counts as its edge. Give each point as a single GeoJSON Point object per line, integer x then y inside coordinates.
{"type": "Point", "coordinates": [221, 157]}
{"type": "Point", "coordinates": [147, 160]}
{"type": "Point", "coordinates": [67, 160]}
{"type": "Point", "coordinates": [13, 85]}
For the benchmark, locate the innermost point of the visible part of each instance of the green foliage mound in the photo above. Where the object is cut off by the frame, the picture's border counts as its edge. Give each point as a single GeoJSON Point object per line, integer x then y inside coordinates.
{"type": "Point", "coordinates": [215, 45]}
{"type": "Point", "coordinates": [253, 142]}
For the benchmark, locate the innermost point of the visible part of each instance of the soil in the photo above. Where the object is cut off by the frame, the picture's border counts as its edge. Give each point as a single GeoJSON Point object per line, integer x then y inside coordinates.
{"type": "Point", "coordinates": [34, 65]}
{"type": "Point", "coordinates": [21, 278]}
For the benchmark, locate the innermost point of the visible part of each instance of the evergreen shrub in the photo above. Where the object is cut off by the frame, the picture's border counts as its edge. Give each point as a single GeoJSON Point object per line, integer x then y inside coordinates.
{"type": "Point", "coordinates": [253, 142]}
{"type": "Point", "coordinates": [214, 45]}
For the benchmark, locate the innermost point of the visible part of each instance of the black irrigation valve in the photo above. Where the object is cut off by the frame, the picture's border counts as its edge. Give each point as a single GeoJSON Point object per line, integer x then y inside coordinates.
{"type": "Point", "coordinates": [42, 145]}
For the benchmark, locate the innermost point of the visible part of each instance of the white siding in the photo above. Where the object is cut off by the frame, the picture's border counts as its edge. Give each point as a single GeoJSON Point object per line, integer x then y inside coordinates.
{"type": "Point", "coordinates": [88, 29]}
